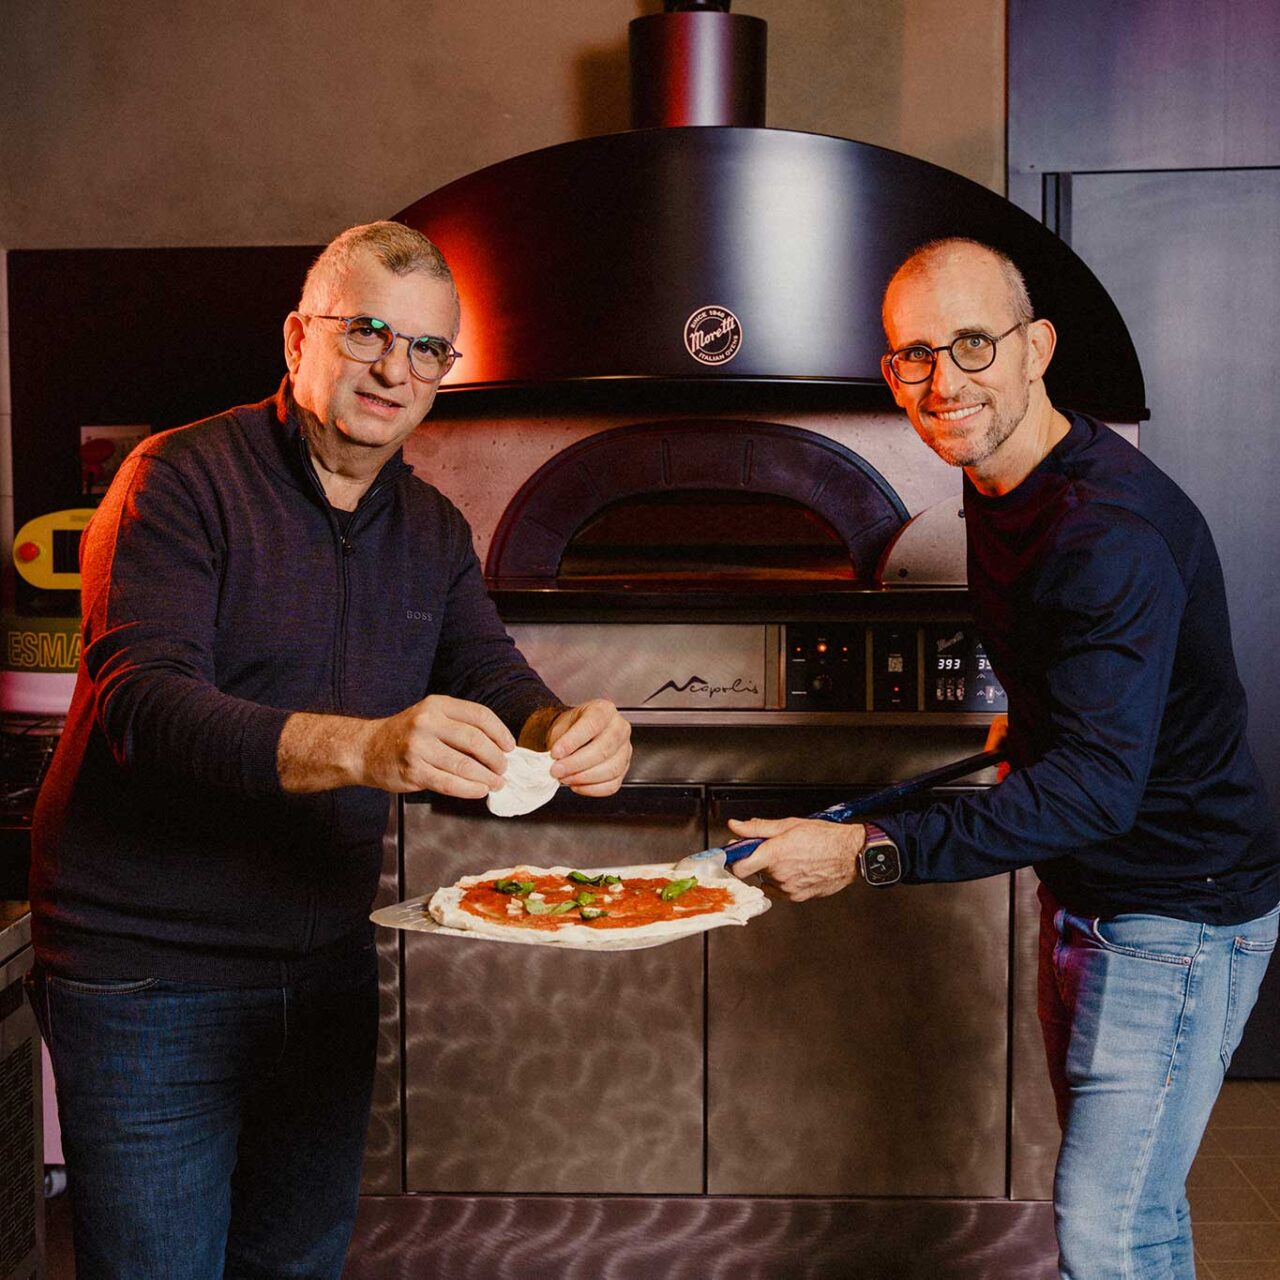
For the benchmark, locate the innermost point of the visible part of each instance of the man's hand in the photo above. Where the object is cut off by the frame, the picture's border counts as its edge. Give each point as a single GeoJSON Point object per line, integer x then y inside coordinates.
{"type": "Point", "coordinates": [441, 744]}
{"type": "Point", "coordinates": [590, 748]}
{"type": "Point", "coordinates": [997, 732]}
{"type": "Point", "coordinates": [803, 857]}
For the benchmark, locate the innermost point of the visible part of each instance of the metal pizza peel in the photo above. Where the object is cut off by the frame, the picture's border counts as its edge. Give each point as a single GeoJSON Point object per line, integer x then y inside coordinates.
{"type": "Point", "coordinates": [713, 863]}
{"type": "Point", "coordinates": [708, 866]}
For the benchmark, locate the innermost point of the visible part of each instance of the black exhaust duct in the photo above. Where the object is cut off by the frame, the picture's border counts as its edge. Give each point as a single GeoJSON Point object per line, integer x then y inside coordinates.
{"type": "Point", "coordinates": [697, 64]}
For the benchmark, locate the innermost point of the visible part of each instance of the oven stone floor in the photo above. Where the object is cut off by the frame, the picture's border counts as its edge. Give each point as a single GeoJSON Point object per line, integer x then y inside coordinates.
{"type": "Point", "coordinates": [1234, 1189]}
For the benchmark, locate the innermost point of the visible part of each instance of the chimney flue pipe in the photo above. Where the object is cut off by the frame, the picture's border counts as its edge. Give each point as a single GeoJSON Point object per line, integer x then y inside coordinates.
{"type": "Point", "coordinates": [697, 64]}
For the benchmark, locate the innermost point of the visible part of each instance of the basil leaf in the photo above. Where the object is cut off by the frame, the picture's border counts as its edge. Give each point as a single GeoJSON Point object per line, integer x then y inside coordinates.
{"type": "Point", "coordinates": [513, 886]}
{"type": "Point", "coordinates": [593, 913]}
{"type": "Point", "coordinates": [548, 908]}
{"type": "Point", "coordinates": [584, 899]}
{"type": "Point", "coordinates": [671, 891]}
{"type": "Point", "coordinates": [581, 877]}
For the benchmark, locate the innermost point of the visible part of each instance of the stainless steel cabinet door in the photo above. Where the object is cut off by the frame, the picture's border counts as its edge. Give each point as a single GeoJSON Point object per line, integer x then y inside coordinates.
{"type": "Point", "coordinates": [534, 1070]}
{"type": "Point", "coordinates": [858, 1044]}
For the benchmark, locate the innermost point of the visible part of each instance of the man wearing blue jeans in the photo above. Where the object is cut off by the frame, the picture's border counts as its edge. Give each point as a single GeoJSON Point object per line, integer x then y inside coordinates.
{"type": "Point", "coordinates": [1131, 789]}
{"type": "Point", "coordinates": [282, 625]}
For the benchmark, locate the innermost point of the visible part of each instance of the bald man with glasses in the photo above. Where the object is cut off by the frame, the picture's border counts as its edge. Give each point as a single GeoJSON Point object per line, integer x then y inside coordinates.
{"type": "Point", "coordinates": [1131, 789]}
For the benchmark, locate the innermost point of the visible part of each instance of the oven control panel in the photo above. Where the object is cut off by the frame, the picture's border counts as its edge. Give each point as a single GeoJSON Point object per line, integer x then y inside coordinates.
{"type": "Point", "coordinates": [888, 667]}
{"type": "Point", "coordinates": [826, 667]}
{"type": "Point", "coordinates": [899, 669]}
{"type": "Point", "coordinates": [895, 666]}
{"type": "Point", "coordinates": [957, 674]}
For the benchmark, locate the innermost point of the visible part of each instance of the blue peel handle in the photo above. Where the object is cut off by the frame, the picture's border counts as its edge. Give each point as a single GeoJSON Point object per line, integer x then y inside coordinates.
{"type": "Point", "coordinates": [851, 810]}
{"type": "Point", "coordinates": [736, 850]}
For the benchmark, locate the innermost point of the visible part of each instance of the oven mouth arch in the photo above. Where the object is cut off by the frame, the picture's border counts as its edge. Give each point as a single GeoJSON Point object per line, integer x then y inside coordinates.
{"type": "Point", "coordinates": [691, 457]}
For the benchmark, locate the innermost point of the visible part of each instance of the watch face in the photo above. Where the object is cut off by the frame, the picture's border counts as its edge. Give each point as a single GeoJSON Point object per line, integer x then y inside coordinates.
{"type": "Point", "coordinates": [880, 862]}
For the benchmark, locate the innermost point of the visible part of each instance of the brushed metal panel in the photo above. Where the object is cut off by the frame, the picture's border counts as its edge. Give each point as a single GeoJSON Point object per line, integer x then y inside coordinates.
{"type": "Point", "coordinates": [1153, 84]}
{"type": "Point", "coordinates": [383, 1158]}
{"type": "Point", "coordinates": [1033, 1151]}
{"type": "Point", "coordinates": [721, 1238]}
{"type": "Point", "coordinates": [650, 665]}
{"type": "Point", "coordinates": [776, 755]}
{"type": "Point", "coordinates": [857, 1045]}
{"type": "Point", "coordinates": [532, 1070]}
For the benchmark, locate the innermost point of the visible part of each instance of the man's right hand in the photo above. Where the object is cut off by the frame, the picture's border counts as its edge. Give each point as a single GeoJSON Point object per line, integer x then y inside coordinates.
{"type": "Point", "coordinates": [440, 744]}
{"type": "Point", "coordinates": [997, 732]}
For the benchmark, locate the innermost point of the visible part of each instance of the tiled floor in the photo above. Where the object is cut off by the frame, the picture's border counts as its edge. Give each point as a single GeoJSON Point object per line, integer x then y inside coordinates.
{"type": "Point", "coordinates": [1234, 1189]}
{"type": "Point", "coordinates": [1234, 1186]}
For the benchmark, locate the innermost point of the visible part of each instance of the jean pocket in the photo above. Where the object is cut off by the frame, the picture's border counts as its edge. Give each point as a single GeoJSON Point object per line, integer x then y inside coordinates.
{"type": "Point", "coordinates": [1249, 960]}
{"type": "Point", "coordinates": [115, 987]}
{"type": "Point", "coordinates": [1159, 939]}
{"type": "Point", "coordinates": [1257, 946]}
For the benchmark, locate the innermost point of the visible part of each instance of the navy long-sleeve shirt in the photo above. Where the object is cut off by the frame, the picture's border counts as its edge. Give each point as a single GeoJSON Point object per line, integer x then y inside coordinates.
{"type": "Point", "coordinates": [1100, 600]}
{"type": "Point", "coordinates": [220, 596]}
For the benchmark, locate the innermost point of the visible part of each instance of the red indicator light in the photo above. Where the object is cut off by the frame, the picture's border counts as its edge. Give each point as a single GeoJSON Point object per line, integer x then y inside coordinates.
{"type": "Point", "coordinates": [822, 646]}
{"type": "Point", "coordinates": [27, 551]}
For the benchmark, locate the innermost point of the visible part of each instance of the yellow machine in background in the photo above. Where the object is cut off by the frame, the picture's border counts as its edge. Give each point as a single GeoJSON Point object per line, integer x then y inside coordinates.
{"type": "Point", "coordinates": [40, 639]}
{"type": "Point", "coordinates": [46, 550]}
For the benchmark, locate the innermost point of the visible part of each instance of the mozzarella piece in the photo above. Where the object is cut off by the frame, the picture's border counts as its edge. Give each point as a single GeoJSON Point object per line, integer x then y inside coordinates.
{"type": "Point", "coordinates": [527, 784]}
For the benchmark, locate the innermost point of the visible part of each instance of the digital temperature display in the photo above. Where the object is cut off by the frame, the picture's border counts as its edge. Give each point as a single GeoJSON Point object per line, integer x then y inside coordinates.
{"type": "Point", "coordinates": [958, 675]}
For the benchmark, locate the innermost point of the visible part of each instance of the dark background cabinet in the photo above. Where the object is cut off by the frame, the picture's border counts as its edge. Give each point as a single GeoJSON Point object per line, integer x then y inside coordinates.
{"type": "Point", "coordinates": [1148, 136]}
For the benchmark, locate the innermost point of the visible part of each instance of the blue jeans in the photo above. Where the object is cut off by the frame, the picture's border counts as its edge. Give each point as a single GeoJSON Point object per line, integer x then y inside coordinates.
{"type": "Point", "coordinates": [211, 1132]}
{"type": "Point", "coordinates": [1141, 1015]}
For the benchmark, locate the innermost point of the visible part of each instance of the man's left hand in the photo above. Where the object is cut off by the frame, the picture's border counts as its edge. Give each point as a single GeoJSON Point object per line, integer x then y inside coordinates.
{"type": "Point", "coordinates": [590, 748]}
{"type": "Point", "coordinates": [803, 857]}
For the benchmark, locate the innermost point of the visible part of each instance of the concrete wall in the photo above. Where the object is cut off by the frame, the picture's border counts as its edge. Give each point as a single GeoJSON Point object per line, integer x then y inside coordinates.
{"type": "Point", "coordinates": [177, 122]}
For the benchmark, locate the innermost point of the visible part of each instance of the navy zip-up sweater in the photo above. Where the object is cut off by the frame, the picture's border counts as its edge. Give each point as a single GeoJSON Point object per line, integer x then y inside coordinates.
{"type": "Point", "coordinates": [220, 595]}
{"type": "Point", "coordinates": [1100, 599]}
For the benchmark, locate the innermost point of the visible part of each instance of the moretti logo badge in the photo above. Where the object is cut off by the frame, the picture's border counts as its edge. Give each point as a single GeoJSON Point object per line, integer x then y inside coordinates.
{"type": "Point", "coordinates": [712, 335]}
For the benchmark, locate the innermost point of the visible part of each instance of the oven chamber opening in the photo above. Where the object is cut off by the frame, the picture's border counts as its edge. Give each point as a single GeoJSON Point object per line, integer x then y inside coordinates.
{"type": "Point", "coordinates": [700, 506]}
{"type": "Point", "coordinates": [705, 537]}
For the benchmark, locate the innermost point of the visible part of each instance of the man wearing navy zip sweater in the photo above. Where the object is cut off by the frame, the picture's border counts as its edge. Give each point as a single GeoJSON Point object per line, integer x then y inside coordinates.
{"type": "Point", "coordinates": [1132, 791]}
{"type": "Point", "coordinates": [282, 625]}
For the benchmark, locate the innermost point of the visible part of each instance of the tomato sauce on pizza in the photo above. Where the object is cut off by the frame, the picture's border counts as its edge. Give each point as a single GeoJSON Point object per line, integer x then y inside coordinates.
{"type": "Point", "coordinates": [548, 902]}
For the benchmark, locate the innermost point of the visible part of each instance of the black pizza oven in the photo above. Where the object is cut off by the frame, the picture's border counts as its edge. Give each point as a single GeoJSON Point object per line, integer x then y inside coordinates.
{"type": "Point", "coordinates": [692, 493]}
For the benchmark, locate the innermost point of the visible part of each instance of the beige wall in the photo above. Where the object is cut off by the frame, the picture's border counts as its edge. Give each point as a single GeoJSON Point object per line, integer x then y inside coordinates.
{"type": "Point", "coordinates": [190, 122]}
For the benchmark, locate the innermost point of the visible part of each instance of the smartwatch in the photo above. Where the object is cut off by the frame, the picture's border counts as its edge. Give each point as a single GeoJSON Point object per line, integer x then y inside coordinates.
{"type": "Point", "coordinates": [878, 860]}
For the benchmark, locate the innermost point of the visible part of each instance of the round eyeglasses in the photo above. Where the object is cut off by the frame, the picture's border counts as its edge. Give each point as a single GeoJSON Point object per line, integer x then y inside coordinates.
{"type": "Point", "coordinates": [971, 352]}
{"type": "Point", "coordinates": [368, 339]}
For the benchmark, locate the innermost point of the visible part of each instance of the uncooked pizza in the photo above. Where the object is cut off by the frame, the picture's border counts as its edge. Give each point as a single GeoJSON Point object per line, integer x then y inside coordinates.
{"type": "Point", "coordinates": [594, 906]}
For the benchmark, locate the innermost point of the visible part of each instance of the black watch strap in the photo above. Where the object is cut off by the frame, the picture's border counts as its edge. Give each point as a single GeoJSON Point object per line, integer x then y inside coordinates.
{"type": "Point", "coordinates": [879, 861]}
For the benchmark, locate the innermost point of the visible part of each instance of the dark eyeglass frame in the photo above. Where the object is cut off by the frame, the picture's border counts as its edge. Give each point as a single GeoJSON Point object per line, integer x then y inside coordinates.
{"type": "Point", "coordinates": [950, 349]}
{"type": "Point", "coordinates": [451, 353]}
